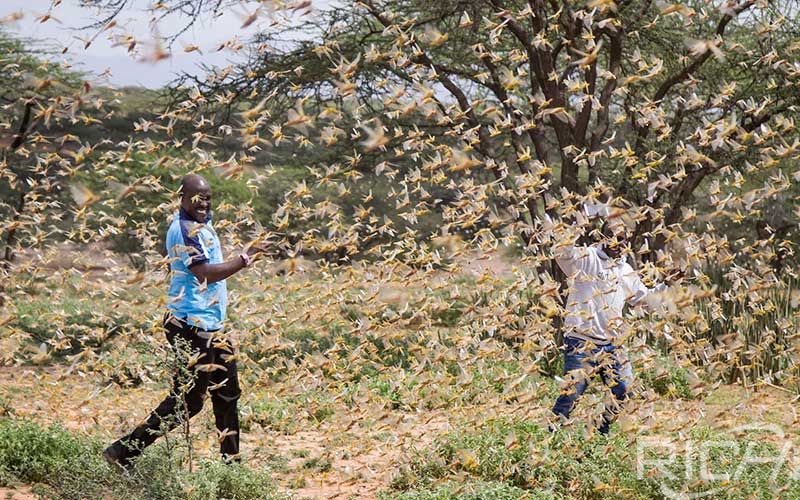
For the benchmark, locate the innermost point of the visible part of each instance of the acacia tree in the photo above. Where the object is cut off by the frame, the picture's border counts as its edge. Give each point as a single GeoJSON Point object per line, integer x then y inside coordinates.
{"type": "Point", "coordinates": [35, 97]}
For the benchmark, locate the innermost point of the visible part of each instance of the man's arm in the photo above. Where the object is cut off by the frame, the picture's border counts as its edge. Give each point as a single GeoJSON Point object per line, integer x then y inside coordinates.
{"type": "Point", "coordinates": [569, 256]}
{"type": "Point", "coordinates": [635, 290]}
{"type": "Point", "coordinates": [211, 273]}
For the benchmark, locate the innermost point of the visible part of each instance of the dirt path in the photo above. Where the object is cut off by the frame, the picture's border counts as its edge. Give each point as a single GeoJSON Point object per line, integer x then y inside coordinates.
{"type": "Point", "coordinates": [21, 493]}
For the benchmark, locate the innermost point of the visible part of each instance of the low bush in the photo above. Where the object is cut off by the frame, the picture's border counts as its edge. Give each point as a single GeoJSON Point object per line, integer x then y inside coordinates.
{"type": "Point", "coordinates": [511, 459]}
{"type": "Point", "coordinates": [68, 324]}
{"type": "Point", "coordinates": [667, 379]}
{"type": "Point", "coordinates": [159, 476]}
{"type": "Point", "coordinates": [275, 414]}
{"type": "Point", "coordinates": [62, 465]}
{"type": "Point", "coordinates": [31, 454]}
{"type": "Point", "coordinates": [71, 466]}
{"type": "Point", "coordinates": [471, 490]}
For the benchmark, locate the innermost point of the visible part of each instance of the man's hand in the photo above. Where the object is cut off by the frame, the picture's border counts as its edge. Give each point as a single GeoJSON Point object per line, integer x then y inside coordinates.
{"type": "Point", "coordinates": [674, 277]}
{"type": "Point", "coordinates": [256, 249]}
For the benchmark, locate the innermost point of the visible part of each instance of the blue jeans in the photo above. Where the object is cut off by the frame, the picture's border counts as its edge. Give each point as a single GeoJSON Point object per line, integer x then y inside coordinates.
{"type": "Point", "coordinates": [609, 361]}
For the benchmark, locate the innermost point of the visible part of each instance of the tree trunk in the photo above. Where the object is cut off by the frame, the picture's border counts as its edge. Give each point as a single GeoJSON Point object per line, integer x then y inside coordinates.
{"type": "Point", "coordinates": [8, 253]}
{"type": "Point", "coordinates": [24, 129]}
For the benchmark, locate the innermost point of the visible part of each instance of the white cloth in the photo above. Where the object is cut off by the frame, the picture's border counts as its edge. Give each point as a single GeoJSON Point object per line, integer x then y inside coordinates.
{"type": "Point", "coordinates": [596, 209]}
{"type": "Point", "coordinates": [599, 287]}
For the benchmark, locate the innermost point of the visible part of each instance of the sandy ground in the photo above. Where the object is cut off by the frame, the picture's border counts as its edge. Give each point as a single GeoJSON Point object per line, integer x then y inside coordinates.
{"type": "Point", "coordinates": [22, 493]}
{"type": "Point", "coordinates": [363, 449]}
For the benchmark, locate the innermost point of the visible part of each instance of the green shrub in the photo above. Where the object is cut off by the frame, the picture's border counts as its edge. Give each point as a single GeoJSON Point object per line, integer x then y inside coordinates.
{"type": "Point", "coordinates": [65, 466]}
{"type": "Point", "coordinates": [450, 315]}
{"type": "Point", "coordinates": [289, 413]}
{"type": "Point", "coordinates": [278, 415]}
{"type": "Point", "coordinates": [70, 466]}
{"type": "Point", "coordinates": [215, 479]}
{"type": "Point", "coordinates": [527, 457]}
{"type": "Point", "coordinates": [763, 320]}
{"type": "Point", "coordinates": [387, 390]}
{"type": "Point", "coordinates": [472, 490]}
{"type": "Point", "coordinates": [71, 322]}
{"type": "Point", "coordinates": [239, 482]}
{"type": "Point", "coordinates": [317, 463]}
{"type": "Point", "coordinates": [667, 379]}
{"type": "Point", "coordinates": [566, 464]}
{"type": "Point", "coordinates": [32, 454]}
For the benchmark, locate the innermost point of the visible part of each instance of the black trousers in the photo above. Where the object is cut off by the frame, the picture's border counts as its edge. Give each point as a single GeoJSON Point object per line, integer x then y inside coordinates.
{"type": "Point", "coordinates": [203, 366]}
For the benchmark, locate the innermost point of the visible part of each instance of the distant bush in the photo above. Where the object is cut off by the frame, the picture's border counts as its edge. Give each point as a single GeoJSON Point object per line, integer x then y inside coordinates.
{"type": "Point", "coordinates": [288, 413]}
{"type": "Point", "coordinates": [144, 208]}
{"type": "Point", "coordinates": [76, 319]}
{"type": "Point", "coordinates": [764, 319]}
{"type": "Point", "coordinates": [53, 326]}
{"type": "Point", "coordinates": [272, 413]}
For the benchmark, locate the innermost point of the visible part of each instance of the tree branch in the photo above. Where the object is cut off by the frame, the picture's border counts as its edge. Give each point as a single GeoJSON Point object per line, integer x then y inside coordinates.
{"type": "Point", "coordinates": [670, 82]}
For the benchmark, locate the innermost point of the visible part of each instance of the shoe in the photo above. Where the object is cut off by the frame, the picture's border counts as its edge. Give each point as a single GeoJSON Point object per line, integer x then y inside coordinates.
{"type": "Point", "coordinates": [115, 456]}
{"type": "Point", "coordinates": [554, 422]}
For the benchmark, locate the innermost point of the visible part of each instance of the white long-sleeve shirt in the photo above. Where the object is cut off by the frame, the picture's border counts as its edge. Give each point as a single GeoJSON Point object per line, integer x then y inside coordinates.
{"type": "Point", "coordinates": [599, 288]}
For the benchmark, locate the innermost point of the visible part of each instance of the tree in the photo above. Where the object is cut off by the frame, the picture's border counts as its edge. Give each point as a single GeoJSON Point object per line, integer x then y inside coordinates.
{"type": "Point", "coordinates": [36, 95]}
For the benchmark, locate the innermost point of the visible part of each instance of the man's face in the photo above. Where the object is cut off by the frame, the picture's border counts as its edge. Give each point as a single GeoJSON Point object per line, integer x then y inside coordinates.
{"type": "Point", "coordinates": [614, 240]}
{"type": "Point", "coordinates": [196, 201]}
{"type": "Point", "coordinates": [613, 248]}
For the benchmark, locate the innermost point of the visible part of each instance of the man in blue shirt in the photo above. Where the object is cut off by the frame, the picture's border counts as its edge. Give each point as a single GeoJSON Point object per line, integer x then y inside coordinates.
{"type": "Point", "coordinates": [194, 328]}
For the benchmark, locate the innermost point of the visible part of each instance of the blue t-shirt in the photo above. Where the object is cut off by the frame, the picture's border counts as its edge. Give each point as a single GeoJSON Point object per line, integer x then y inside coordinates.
{"type": "Point", "coordinates": [190, 243]}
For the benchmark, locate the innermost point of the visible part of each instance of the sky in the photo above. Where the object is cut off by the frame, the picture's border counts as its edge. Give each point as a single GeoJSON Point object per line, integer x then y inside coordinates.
{"type": "Point", "coordinates": [122, 68]}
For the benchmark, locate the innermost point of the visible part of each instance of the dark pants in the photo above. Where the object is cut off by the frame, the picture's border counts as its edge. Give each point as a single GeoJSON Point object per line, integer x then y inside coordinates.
{"type": "Point", "coordinates": [203, 358]}
{"type": "Point", "coordinates": [606, 360]}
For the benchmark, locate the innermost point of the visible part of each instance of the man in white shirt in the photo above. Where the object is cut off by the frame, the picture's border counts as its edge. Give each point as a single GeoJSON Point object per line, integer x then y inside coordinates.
{"type": "Point", "coordinates": [601, 282]}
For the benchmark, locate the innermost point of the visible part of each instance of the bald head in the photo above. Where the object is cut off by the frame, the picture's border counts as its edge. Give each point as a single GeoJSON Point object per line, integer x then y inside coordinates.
{"type": "Point", "coordinates": [196, 197]}
{"type": "Point", "coordinates": [192, 183]}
